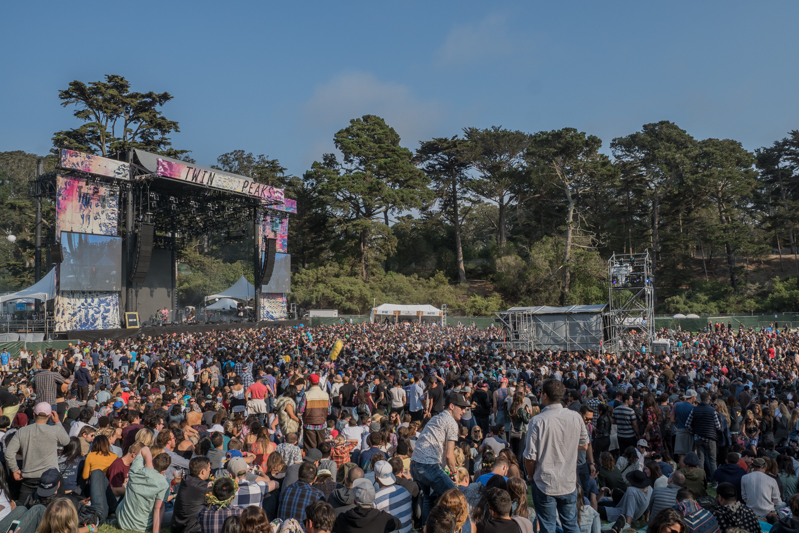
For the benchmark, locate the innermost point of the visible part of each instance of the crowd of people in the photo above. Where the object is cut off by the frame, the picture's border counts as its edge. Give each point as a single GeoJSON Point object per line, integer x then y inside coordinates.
{"type": "Point", "coordinates": [409, 427]}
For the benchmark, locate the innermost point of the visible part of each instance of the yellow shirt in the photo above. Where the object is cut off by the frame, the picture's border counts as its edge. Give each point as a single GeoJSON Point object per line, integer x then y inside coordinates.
{"type": "Point", "coordinates": [96, 461]}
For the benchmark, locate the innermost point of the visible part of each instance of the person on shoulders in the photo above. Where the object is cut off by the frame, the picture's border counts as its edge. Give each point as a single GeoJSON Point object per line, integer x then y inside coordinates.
{"type": "Point", "coordinates": [434, 449]}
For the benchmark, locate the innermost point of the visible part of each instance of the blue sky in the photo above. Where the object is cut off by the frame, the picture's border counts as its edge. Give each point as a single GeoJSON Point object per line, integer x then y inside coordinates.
{"type": "Point", "coordinates": [280, 78]}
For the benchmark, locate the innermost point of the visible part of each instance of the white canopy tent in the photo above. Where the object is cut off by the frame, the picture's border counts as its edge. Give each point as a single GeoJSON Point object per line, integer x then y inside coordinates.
{"type": "Point", "coordinates": [398, 311]}
{"type": "Point", "coordinates": [241, 290]}
{"type": "Point", "coordinates": [43, 290]}
{"type": "Point", "coordinates": [223, 305]}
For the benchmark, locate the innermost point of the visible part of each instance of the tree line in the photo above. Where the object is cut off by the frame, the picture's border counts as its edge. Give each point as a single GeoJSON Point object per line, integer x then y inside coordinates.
{"type": "Point", "coordinates": [486, 217]}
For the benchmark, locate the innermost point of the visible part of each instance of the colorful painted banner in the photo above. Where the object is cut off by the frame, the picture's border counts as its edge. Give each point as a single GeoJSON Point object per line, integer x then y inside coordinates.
{"type": "Point", "coordinates": [220, 180]}
{"type": "Point", "coordinates": [72, 160]}
{"type": "Point", "coordinates": [86, 310]}
{"type": "Point", "coordinates": [84, 208]}
{"type": "Point", "coordinates": [272, 227]}
{"type": "Point", "coordinates": [274, 307]}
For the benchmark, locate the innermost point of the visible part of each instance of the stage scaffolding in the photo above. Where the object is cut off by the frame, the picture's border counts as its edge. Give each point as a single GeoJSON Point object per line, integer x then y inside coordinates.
{"type": "Point", "coordinates": [572, 328]}
{"type": "Point", "coordinates": [631, 307]}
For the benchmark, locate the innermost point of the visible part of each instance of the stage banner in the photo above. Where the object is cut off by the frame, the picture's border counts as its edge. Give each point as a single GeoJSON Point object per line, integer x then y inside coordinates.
{"type": "Point", "coordinates": [274, 307]}
{"type": "Point", "coordinates": [272, 227]}
{"type": "Point", "coordinates": [219, 180]}
{"type": "Point", "coordinates": [72, 160]}
{"type": "Point", "coordinates": [84, 208]}
{"type": "Point", "coordinates": [86, 310]}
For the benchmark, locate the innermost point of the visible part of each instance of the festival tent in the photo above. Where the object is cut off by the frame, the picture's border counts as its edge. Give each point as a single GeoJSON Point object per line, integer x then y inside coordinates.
{"type": "Point", "coordinates": [223, 304]}
{"type": "Point", "coordinates": [397, 311]}
{"type": "Point", "coordinates": [43, 290]}
{"type": "Point", "coordinates": [241, 290]}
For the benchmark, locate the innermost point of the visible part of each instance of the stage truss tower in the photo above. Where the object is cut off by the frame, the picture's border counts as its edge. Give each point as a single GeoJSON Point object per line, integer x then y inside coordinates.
{"type": "Point", "coordinates": [631, 310]}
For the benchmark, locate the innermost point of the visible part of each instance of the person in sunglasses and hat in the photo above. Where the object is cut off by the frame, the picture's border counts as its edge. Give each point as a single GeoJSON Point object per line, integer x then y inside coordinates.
{"type": "Point", "coordinates": [435, 449]}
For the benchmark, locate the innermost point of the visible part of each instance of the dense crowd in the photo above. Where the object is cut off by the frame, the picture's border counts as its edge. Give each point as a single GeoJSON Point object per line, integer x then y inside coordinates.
{"type": "Point", "coordinates": [401, 427]}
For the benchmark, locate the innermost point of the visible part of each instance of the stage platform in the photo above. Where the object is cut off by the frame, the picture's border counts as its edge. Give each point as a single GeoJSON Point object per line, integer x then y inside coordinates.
{"type": "Point", "coordinates": [101, 334]}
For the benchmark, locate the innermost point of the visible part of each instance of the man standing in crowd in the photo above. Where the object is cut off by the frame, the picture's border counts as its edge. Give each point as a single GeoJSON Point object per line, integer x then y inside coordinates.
{"type": "Point", "coordinates": [314, 408]}
{"type": "Point", "coordinates": [553, 438]}
{"type": "Point", "coordinates": [38, 444]}
{"type": "Point", "coordinates": [704, 423]}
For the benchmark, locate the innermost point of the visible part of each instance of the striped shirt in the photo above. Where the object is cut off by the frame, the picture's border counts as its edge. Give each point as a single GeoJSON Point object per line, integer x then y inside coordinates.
{"type": "Point", "coordinates": [395, 500]}
{"type": "Point", "coordinates": [624, 416]}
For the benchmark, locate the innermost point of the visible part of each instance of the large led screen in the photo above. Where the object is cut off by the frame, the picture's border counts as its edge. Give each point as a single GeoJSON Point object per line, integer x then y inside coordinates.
{"type": "Point", "coordinates": [281, 276]}
{"type": "Point", "coordinates": [91, 262]}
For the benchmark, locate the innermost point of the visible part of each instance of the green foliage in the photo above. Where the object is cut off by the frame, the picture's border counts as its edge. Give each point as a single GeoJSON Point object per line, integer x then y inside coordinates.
{"type": "Point", "coordinates": [477, 305]}
{"type": "Point", "coordinates": [18, 217]}
{"type": "Point", "coordinates": [333, 287]}
{"type": "Point", "coordinates": [116, 119]}
{"type": "Point", "coordinates": [375, 177]}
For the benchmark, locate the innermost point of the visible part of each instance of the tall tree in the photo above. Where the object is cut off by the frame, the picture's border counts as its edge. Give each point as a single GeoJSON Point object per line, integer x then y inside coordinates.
{"type": "Point", "coordinates": [258, 167]}
{"type": "Point", "coordinates": [725, 174]}
{"type": "Point", "coordinates": [498, 157]}
{"type": "Point", "coordinates": [376, 176]}
{"type": "Point", "coordinates": [116, 119]}
{"type": "Point", "coordinates": [656, 160]}
{"type": "Point", "coordinates": [572, 163]}
{"type": "Point", "coordinates": [779, 180]}
{"type": "Point", "coordinates": [446, 163]}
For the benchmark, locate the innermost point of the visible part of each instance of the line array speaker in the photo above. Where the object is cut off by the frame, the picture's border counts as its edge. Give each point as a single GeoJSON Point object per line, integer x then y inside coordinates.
{"type": "Point", "coordinates": [269, 261]}
{"type": "Point", "coordinates": [144, 252]}
{"type": "Point", "coordinates": [56, 253]}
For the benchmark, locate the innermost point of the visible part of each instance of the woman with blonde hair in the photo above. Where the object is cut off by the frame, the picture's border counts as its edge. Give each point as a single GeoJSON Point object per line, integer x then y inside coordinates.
{"type": "Point", "coordinates": [59, 517]}
{"type": "Point", "coordinates": [462, 477]}
{"type": "Point", "coordinates": [146, 436]}
{"type": "Point", "coordinates": [455, 501]}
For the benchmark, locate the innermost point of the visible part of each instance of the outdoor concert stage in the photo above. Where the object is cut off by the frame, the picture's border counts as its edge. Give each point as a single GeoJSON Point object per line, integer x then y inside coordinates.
{"type": "Point", "coordinates": [118, 228]}
{"type": "Point", "coordinates": [101, 334]}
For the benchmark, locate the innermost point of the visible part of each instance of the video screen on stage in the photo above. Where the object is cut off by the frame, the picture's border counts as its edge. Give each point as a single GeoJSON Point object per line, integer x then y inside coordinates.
{"type": "Point", "coordinates": [281, 276]}
{"type": "Point", "coordinates": [91, 262]}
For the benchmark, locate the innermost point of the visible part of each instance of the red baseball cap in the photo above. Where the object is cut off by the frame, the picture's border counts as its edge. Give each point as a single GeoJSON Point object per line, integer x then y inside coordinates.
{"type": "Point", "coordinates": [314, 378]}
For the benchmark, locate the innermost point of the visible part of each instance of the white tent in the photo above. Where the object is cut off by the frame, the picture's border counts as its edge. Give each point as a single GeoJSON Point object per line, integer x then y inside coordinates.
{"type": "Point", "coordinates": [679, 315]}
{"type": "Point", "coordinates": [223, 304]}
{"type": "Point", "coordinates": [241, 290]}
{"type": "Point", "coordinates": [44, 290]}
{"type": "Point", "coordinates": [395, 310]}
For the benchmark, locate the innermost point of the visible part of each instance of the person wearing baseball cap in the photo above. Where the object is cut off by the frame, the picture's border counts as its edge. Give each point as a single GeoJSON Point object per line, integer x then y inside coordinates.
{"type": "Point", "coordinates": [364, 517]}
{"type": "Point", "coordinates": [38, 444]}
{"type": "Point", "coordinates": [391, 497]}
{"type": "Point", "coordinates": [435, 448]}
{"type": "Point", "coordinates": [314, 407]}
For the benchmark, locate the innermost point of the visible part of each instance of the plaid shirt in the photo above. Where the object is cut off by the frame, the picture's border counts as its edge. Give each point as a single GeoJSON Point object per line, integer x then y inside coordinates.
{"type": "Point", "coordinates": [46, 384]}
{"type": "Point", "coordinates": [244, 371]}
{"type": "Point", "coordinates": [341, 454]}
{"type": "Point", "coordinates": [295, 498]}
{"type": "Point", "coordinates": [250, 493]}
{"type": "Point", "coordinates": [301, 411]}
{"type": "Point", "coordinates": [212, 517]}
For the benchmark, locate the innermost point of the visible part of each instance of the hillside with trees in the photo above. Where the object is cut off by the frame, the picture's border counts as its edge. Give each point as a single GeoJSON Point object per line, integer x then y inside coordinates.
{"type": "Point", "coordinates": [480, 219]}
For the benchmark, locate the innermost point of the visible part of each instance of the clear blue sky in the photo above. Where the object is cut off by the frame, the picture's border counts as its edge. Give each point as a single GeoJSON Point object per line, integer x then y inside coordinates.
{"type": "Point", "coordinates": [280, 78]}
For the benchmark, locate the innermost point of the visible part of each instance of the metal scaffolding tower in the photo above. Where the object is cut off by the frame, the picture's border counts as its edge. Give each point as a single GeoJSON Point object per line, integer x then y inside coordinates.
{"type": "Point", "coordinates": [630, 318]}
